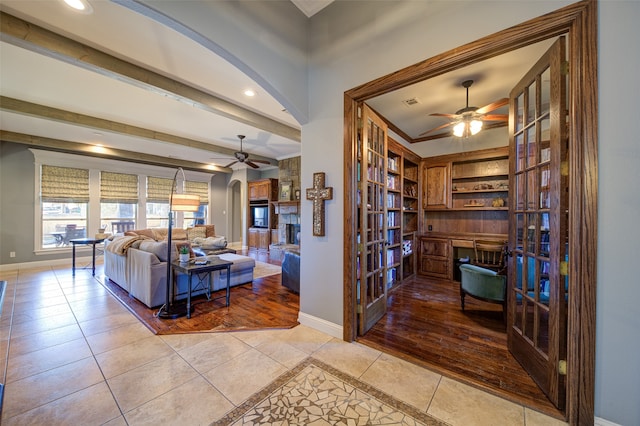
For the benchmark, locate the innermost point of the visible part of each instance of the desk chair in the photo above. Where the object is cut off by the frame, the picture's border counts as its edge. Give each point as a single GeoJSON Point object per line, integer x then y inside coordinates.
{"type": "Point", "coordinates": [489, 254]}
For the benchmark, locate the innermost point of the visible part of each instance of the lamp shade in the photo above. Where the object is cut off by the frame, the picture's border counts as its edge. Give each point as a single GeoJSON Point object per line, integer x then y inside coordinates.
{"type": "Point", "coordinates": [185, 203]}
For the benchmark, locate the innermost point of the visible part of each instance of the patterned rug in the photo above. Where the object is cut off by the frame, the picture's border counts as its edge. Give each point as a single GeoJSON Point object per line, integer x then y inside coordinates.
{"type": "Point", "coordinates": [314, 393]}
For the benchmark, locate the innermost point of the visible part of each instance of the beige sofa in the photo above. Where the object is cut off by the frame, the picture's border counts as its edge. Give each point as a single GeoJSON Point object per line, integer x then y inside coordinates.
{"type": "Point", "coordinates": [140, 269]}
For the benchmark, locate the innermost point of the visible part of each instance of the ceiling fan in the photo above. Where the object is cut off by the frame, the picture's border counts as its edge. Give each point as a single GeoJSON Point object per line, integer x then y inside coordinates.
{"type": "Point", "coordinates": [243, 157]}
{"type": "Point", "coordinates": [468, 120]}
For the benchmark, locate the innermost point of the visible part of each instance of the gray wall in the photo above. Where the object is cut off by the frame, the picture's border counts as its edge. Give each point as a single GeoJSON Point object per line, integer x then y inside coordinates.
{"type": "Point", "coordinates": [355, 42]}
{"type": "Point", "coordinates": [16, 205]}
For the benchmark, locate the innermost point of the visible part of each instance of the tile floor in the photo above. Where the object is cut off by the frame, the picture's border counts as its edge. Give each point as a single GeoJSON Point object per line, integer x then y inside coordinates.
{"type": "Point", "coordinates": [77, 356]}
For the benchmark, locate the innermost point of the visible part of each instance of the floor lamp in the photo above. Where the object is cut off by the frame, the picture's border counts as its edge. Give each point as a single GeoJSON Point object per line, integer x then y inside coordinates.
{"type": "Point", "coordinates": [177, 203]}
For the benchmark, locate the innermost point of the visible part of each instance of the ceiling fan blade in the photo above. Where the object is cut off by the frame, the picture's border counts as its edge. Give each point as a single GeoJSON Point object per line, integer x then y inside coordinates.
{"type": "Point", "coordinates": [231, 164]}
{"type": "Point", "coordinates": [495, 117]}
{"type": "Point", "coordinates": [435, 128]}
{"type": "Point", "coordinates": [251, 163]}
{"type": "Point", "coordinates": [494, 105]}
{"type": "Point", "coordinates": [261, 161]}
{"type": "Point", "coordinates": [439, 114]}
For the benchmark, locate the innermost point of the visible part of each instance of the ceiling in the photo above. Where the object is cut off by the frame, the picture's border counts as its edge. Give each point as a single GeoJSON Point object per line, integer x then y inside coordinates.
{"type": "Point", "coordinates": [52, 99]}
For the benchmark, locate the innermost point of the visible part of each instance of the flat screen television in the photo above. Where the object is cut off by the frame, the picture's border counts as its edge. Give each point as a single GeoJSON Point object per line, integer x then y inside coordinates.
{"type": "Point", "coordinates": [260, 216]}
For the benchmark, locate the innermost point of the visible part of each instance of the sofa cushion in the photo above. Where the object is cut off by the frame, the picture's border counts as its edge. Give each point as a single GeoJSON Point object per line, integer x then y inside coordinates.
{"type": "Point", "coordinates": [159, 248]}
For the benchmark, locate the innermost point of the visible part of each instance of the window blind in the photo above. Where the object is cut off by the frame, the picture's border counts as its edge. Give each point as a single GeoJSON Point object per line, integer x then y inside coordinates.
{"type": "Point", "coordinates": [118, 188]}
{"type": "Point", "coordinates": [64, 184]}
{"type": "Point", "coordinates": [158, 189]}
{"type": "Point", "coordinates": [198, 188]}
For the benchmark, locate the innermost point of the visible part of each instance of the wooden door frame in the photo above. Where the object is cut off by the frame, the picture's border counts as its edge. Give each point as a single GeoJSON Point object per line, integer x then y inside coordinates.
{"type": "Point", "coordinates": [579, 22]}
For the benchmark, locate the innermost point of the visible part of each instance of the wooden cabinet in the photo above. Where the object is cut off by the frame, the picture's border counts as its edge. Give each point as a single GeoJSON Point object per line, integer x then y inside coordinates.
{"type": "Point", "coordinates": [436, 186]}
{"type": "Point", "coordinates": [262, 193]}
{"type": "Point", "coordinates": [465, 197]}
{"type": "Point", "coordinates": [467, 192]}
{"type": "Point", "coordinates": [435, 257]}
{"type": "Point", "coordinates": [252, 236]}
{"type": "Point", "coordinates": [263, 189]}
{"type": "Point", "coordinates": [259, 238]}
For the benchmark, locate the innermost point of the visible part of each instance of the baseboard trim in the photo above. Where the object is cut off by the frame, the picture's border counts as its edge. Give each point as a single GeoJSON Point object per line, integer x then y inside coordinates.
{"type": "Point", "coordinates": [320, 324]}
{"type": "Point", "coordinates": [602, 422]}
{"type": "Point", "coordinates": [80, 262]}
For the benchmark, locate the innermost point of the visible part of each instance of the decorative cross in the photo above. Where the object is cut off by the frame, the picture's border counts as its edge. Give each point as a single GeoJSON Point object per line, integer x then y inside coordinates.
{"type": "Point", "coordinates": [319, 194]}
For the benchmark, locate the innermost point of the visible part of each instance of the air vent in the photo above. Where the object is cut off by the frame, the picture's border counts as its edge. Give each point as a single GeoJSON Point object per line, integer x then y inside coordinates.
{"type": "Point", "coordinates": [411, 102]}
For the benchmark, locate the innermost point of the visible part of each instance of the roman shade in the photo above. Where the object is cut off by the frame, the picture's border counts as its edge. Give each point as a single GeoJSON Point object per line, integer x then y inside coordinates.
{"type": "Point", "coordinates": [64, 184]}
{"type": "Point", "coordinates": [159, 189]}
{"type": "Point", "coordinates": [118, 188]}
{"type": "Point", "coordinates": [198, 188]}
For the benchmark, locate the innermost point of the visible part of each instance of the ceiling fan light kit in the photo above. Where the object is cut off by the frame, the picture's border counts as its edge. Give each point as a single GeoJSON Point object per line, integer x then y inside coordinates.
{"type": "Point", "coordinates": [468, 121]}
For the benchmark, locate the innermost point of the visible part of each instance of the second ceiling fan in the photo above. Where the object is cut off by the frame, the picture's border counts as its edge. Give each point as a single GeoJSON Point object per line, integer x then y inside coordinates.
{"type": "Point", "coordinates": [243, 157]}
{"type": "Point", "coordinates": [468, 121]}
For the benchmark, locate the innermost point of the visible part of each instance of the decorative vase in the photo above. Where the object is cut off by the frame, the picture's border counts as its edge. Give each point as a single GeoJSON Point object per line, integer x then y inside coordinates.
{"type": "Point", "coordinates": [184, 257]}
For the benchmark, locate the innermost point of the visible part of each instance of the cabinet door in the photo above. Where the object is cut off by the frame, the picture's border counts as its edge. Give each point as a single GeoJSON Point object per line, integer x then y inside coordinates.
{"type": "Point", "coordinates": [253, 238]}
{"type": "Point", "coordinates": [263, 191]}
{"type": "Point", "coordinates": [264, 237]}
{"type": "Point", "coordinates": [436, 186]}
{"type": "Point", "coordinates": [435, 259]}
{"type": "Point", "coordinates": [434, 267]}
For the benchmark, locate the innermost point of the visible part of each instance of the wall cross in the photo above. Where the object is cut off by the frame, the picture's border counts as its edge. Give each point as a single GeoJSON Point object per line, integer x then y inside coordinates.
{"type": "Point", "coordinates": [319, 194]}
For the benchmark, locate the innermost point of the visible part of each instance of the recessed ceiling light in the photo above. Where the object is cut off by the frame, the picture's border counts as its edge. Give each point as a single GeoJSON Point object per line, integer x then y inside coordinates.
{"type": "Point", "coordinates": [249, 92]}
{"type": "Point", "coordinates": [82, 6]}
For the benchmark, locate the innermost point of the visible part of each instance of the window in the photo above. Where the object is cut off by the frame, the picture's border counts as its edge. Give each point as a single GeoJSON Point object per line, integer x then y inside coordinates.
{"type": "Point", "coordinates": [199, 217]}
{"type": "Point", "coordinates": [72, 202]}
{"type": "Point", "coordinates": [64, 199]}
{"type": "Point", "coordinates": [158, 192]}
{"type": "Point", "coordinates": [118, 201]}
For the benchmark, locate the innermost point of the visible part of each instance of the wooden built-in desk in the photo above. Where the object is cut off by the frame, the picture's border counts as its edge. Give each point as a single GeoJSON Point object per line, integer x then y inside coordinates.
{"type": "Point", "coordinates": [439, 251]}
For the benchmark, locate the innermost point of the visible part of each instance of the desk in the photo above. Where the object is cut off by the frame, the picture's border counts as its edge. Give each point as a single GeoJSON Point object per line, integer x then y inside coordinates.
{"type": "Point", "coordinates": [190, 268]}
{"type": "Point", "coordinates": [85, 241]}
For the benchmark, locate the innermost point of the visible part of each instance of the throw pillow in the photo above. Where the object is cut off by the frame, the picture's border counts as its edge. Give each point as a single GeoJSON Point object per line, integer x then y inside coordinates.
{"type": "Point", "coordinates": [176, 249]}
{"type": "Point", "coordinates": [193, 233]}
{"type": "Point", "coordinates": [210, 230]}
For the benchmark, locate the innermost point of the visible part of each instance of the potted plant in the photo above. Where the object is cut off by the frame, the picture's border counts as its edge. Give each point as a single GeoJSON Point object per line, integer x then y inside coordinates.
{"type": "Point", "coordinates": [183, 254]}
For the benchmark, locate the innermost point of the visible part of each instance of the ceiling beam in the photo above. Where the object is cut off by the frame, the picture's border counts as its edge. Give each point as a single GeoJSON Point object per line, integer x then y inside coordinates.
{"type": "Point", "coordinates": [68, 117]}
{"type": "Point", "coordinates": [29, 36]}
{"type": "Point", "coordinates": [107, 153]}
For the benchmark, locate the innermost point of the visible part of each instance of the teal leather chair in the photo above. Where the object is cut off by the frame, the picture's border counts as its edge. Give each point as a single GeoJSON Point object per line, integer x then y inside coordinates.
{"type": "Point", "coordinates": [483, 284]}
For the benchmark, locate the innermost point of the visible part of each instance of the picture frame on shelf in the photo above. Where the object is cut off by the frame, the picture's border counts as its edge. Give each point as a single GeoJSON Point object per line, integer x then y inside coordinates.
{"type": "Point", "coordinates": [285, 191]}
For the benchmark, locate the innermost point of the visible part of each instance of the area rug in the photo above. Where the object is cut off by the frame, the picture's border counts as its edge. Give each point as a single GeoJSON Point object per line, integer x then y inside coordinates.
{"type": "Point", "coordinates": [314, 393]}
{"type": "Point", "coordinates": [262, 304]}
{"type": "Point", "coordinates": [263, 269]}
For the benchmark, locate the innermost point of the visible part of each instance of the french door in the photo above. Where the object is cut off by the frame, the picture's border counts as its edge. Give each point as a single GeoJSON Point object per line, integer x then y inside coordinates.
{"type": "Point", "coordinates": [371, 291]}
{"type": "Point", "coordinates": [538, 230]}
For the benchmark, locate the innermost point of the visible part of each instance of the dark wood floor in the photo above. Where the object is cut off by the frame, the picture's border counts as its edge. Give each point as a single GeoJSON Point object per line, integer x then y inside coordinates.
{"type": "Point", "coordinates": [425, 325]}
